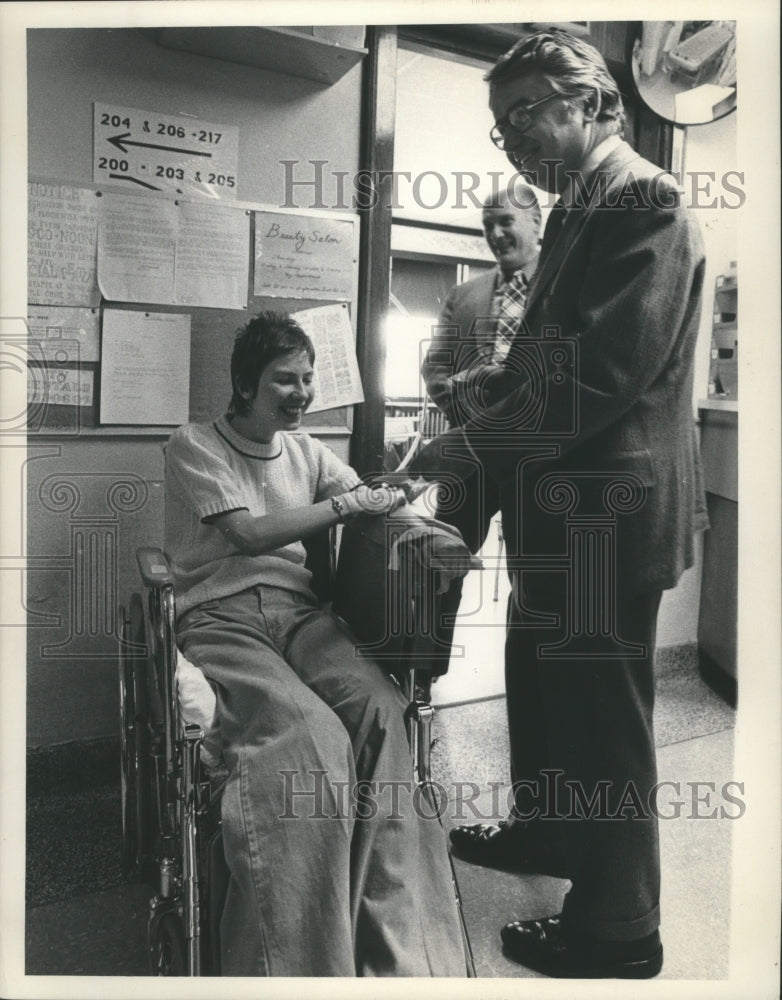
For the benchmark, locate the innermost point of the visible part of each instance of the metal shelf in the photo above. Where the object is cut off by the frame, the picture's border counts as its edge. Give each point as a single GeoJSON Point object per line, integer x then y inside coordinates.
{"type": "Point", "coordinates": [282, 50]}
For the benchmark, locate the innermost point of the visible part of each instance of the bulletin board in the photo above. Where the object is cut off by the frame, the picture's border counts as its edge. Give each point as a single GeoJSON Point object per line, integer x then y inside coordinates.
{"type": "Point", "coordinates": [212, 332]}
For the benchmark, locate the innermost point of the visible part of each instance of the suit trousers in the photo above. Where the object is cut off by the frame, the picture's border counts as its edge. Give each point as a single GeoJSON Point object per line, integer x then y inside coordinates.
{"type": "Point", "coordinates": [474, 505]}
{"type": "Point", "coordinates": [328, 877]}
{"type": "Point", "coordinates": [583, 754]}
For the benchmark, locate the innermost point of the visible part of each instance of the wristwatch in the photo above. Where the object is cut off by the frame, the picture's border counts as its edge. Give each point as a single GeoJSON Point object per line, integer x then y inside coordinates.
{"type": "Point", "coordinates": [339, 507]}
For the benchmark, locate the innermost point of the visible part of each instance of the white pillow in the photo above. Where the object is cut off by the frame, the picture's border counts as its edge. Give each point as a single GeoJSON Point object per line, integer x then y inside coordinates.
{"type": "Point", "coordinates": [198, 703]}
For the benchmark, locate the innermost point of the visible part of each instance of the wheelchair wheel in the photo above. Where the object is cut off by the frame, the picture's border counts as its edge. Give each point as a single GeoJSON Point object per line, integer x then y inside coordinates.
{"type": "Point", "coordinates": [134, 739]}
{"type": "Point", "coordinates": [167, 947]}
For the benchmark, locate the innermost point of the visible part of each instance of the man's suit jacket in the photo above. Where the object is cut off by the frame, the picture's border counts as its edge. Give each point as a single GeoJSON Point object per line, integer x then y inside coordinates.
{"type": "Point", "coordinates": [464, 327]}
{"type": "Point", "coordinates": [602, 383]}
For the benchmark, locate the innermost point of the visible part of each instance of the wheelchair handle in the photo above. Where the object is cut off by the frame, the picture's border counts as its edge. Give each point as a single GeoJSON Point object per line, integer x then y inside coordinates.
{"type": "Point", "coordinates": [154, 568]}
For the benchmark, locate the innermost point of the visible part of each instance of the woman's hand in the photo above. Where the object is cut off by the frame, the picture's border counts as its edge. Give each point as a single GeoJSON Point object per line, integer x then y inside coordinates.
{"type": "Point", "coordinates": [254, 536]}
{"type": "Point", "coordinates": [378, 499]}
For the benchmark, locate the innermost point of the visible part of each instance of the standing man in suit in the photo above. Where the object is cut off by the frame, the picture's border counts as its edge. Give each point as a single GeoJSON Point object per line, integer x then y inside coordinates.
{"type": "Point", "coordinates": [477, 323]}
{"type": "Point", "coordinates": [588, 432]}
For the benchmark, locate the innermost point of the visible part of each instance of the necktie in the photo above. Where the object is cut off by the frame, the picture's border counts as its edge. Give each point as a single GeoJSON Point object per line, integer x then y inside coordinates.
{"type": "Point", "coordinates": [553, 226]}
{"type": "Point", "coordinates": [511, 311]}
{"type": "Point", "coordinates": [554, 223]}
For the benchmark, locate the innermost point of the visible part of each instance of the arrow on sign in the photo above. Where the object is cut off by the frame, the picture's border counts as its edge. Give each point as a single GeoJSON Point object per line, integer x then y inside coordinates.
{"type": "Point", "coordinates": [135, 180]}
{"type": "Point", "coordinates": [122, 141]}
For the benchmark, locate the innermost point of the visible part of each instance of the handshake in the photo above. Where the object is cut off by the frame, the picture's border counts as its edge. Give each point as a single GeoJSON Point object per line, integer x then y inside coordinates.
{"type": "Point", "coordinates": [388, 492]}
{"type": "Point", "coordinates": [379, 498]}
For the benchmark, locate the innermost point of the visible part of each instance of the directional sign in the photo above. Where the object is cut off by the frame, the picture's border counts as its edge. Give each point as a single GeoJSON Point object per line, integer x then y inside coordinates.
{"type": "Point", "coordinates": [149, 151]}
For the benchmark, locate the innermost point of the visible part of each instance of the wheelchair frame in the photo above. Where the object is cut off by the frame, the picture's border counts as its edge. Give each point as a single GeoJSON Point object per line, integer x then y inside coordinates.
{"type": "Point", "coordinates": [171, 830]}
{"type": "Point", "coordinates": [164, 790]}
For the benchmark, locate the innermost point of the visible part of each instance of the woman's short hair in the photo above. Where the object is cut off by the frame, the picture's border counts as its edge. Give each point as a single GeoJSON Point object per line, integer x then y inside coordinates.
{"type": "Point", "coordinates": [572, 66]}
{"type": "Point", "coordinates": [267, 336]}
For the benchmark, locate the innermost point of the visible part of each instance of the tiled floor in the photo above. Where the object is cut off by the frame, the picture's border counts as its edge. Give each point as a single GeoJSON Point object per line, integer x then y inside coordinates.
{"type": "Point", "coordinates": [103, 932]}
{"type": "Point", "coordinates": [696, 880]}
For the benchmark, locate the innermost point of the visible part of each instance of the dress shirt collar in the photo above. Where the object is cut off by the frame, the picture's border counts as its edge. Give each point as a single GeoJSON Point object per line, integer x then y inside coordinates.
{"type": "Point", "coordinates": [502, 281]}
{"type": "Point", "coordinates": [590, 165]}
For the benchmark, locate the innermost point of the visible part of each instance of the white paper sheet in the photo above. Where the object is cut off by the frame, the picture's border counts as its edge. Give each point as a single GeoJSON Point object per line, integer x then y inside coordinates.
{"type": "Point", "coordinates": [62, 233]}
{"type": "Point", "coordinates": [136, 248]}
{"type": "Point", "coordinates": [337, 379]}
{"type": "Point", "coordinates": [212, 256]}
{"type": "Point", "coordinates": [59, 386]}
{"type": "Point", "coordinates": [173, 252]}
{"type": "Point", "coordinates": [162, 152]}
{"type": "Point", "coordinates": [145, 370]}
{"type": "Point", "coordinates": [64, 334]}
{"type": "Point", "coordinates": [303, 256]}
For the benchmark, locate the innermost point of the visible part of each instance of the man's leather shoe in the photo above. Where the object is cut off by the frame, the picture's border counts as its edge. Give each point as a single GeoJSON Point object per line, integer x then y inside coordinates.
{"type": "Point", "coordinates": [547, 947]}
{"type": "Point", "coordinates": [504, 847]}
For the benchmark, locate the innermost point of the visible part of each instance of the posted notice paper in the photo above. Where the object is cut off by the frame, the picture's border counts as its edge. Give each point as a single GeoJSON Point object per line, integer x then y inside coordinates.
{"type": "Point", "coordinates": [304, 256]}
{"type": "Point", "coordinates": [212, 256]}
{"type": "Point", "coordinates": [62, 236]}
{"type": "Point", "coordinates": [59, 386]}
{"type": "Point", "coordinates": [136, 248]}
{"type": "Point", "coordinates": [173, 252]}
{"type": "Point", "coordinates": [65, 333]}
{"type": "Point", "coordinates": [145, 371]}
{"type": "Point", "coordinates": [337, 379]}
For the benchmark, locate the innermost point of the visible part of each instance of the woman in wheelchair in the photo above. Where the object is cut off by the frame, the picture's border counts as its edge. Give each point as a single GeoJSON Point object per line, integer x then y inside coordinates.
{"type": "Point", "coordinates": [321, 884]}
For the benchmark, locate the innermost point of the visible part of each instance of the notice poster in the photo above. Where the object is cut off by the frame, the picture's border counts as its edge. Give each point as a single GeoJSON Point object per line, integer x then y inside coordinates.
{"type": "Point", "coordinates": [304, 256]}
{"type": "Point", "coordinates": [65, 334]}
{"type": "Point", "coordinates": [59, 387]}
{"type": "Point", "coordinates": [337, 378]}
{"type": "Point", "coordinates": [154, 151]}
{"type": "Point", "coordinates": [212, 256]}
{"type": "Point", "coordinates": [62, 232]}
{"type": "Point", "coordinates": [145, 370]}
{"type": "Point", "coordinates": [136, 248]}
{"type": "Point", "coordinates": [174, 253]}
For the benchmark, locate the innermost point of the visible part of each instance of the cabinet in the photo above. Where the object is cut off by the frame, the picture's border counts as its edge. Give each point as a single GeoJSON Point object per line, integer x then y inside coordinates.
{"type": "Point", "coordinates": [723, 368]}
{"type": "Point", "coordinates": [719, 419]}
{"type": "Point", "coordinates": [717, 617]}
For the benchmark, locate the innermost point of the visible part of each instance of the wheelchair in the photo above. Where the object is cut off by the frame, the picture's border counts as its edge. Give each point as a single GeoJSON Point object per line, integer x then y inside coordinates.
{"type": "Point", "coordinates": [171, 786]}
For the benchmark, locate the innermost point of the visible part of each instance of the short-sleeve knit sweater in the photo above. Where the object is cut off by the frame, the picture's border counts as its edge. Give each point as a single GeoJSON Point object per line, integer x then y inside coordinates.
{"type": "Point", "coordinates": [212, 469]}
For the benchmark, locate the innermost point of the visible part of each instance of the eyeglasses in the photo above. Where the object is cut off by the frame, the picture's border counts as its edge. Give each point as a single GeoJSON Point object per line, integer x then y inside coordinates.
{"type": "Point", "coordinates": [519, 119]}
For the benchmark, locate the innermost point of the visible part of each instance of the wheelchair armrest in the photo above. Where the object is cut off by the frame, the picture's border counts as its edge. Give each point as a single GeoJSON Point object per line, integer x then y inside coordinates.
{"type": "Point", "coordinates": [320, 561]}
{"type": "Point", "coordinates": [154, 568]}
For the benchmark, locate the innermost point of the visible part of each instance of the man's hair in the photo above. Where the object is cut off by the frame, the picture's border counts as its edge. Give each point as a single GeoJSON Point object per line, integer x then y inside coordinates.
{"type": "Point", "coordinates": [517, 196]}
{"type": "Point", "coordinates": [571, 66]}
{"type": "Point", "coordinates": [267, 336]}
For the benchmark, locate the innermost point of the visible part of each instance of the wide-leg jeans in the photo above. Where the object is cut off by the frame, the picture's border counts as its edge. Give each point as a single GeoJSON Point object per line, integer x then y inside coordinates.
{"type": "Point", "coordinates": [337, 867]}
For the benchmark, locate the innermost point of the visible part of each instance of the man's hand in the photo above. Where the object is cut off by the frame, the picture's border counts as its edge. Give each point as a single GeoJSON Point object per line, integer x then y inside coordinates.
{"type": "Point", "coordinates": [411, 486]}
{"type": "Point", "coordinates": [477, 388]}
{"type": "Point", "coordinates": [378, 499]}
{"type": "Point", "coordinates": [444, 458]}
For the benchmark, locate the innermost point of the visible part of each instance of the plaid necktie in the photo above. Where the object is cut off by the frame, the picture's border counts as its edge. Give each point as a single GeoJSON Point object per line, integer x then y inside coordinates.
{"type": "Point", "coordinates": [514, 297]}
